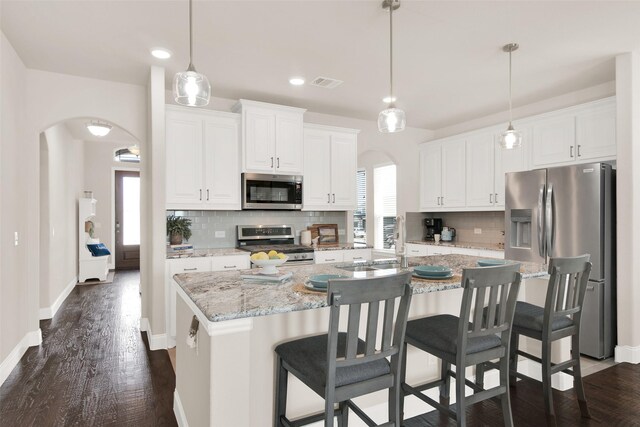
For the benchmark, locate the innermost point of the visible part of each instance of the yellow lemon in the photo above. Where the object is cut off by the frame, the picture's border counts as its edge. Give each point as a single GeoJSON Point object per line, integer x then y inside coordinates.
{"type": "Point", "coordinates": [282, 256]}
{"type": "Point", "coordinates": [273, 253]}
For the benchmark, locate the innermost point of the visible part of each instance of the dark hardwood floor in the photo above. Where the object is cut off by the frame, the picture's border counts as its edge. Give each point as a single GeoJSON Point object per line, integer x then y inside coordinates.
{"type": "Point", "coordinates": [613, 396]}
{"type": "Point", "coordinates": [93, 367]}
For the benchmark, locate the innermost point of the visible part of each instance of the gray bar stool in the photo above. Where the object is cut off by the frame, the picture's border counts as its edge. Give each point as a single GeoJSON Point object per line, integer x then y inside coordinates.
{"type": "Point", "coordinates": [339, 365]}
{"type": "Point", "coordinates": [470, 339]}
{"type": "Point", "coordinates": [559, 318]}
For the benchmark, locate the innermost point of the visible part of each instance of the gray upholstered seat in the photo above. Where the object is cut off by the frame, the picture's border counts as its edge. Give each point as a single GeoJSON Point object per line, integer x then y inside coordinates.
{"type": "Point", "coordinates": [531, 316]}
{"type": "Point", "coordinates": [308, 357]}
{"type": "Point", "coordinates": [441, 333]}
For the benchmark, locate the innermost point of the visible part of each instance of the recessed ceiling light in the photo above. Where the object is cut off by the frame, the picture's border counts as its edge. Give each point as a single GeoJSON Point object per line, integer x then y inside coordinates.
{"type": "Point", "coordinates": [296, 81]}
{"type": "Point", "coordinates": [99, 128]}
{"type": "Point", "coordinates": [161, 53]}
{"type": "Point", "coordinates": [389, 99]}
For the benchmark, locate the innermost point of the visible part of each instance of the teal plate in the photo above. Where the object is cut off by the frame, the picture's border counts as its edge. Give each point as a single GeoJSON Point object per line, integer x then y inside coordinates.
{"type": "Point", "coordinates": [432, 270]}
{"type": "Point", "coordinates": [319, 281]}
{"type": "Point", "coordinates": [491, 262]}
{"type": "Point", "coordinates": [425, 276]}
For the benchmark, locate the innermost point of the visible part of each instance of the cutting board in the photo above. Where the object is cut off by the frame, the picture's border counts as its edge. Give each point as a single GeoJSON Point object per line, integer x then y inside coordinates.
{"type": "Point", "coordinates": [328, 233]}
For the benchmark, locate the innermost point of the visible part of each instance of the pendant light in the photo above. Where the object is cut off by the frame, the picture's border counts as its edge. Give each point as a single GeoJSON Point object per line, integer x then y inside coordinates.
{"type": "Point", "coordinates": [391, 119]}
{"type": "Point", "coordinates": [510, 138]}
{"type": "Point", "coordinates": [190, 87]}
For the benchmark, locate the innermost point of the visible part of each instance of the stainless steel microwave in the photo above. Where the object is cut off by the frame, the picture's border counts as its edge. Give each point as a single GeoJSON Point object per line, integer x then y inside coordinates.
{"type": "Point", "coordinates": [268, 191]}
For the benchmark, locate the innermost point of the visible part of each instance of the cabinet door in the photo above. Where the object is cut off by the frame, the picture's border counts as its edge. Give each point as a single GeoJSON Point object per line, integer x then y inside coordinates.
{"type": "Point", "coordinates": [596, 133]}
{"type": "Point", "coordinates": [289, 142]}
{"type": "Point", "coordinates": [453, 174]}
{"type": "Point", "coordinates": [480, 155]}
{"type": "Point", "coordinates": [343, 171]}
{"type": "Point", "coordinates": [259, 140]}
{"type": "Point", "coordinates": [184, 159]}
{"type": "Point", "coordinates": [430, 176]}
{"type": "Point", "coordinates": [316, 188]}
{"type": "Point", "coordinates": [513, 160]}
{"type": "Point", "coordinates": [553, 141]}
{"type": "Point", "coordinates": [221, 164]}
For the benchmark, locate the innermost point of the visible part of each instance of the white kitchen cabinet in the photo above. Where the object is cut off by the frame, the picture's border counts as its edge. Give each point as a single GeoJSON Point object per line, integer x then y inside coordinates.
{"type": "Point", "coordinates": [330, 164]}
{"type": "Point", "coordinates": [575, 135]}
{"type": "Point", "coordinates": [415, 249]}
{"type": "Point", "coordinates": [272, 137]}
{"type": "Point", "coordinates": [230, 262]}
{"type": "Point", "coordinates": [486, 253]}
{"type": "Point", "coordinates": [442, 175]}
{"type": "Point", "coordinates": [202, 159]}
{"type": "Point", "coordinates": [438, 250]}
{"type": "Point", "coordinates": [326, 257]}
{"type": "Point", "coordinates": [356, 255]}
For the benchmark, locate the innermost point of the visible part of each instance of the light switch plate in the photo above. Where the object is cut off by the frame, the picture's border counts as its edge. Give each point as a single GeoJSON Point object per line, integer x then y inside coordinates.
{"type": "Point", "coordinates": [15, 238]}
{"type": "Point", "coordinates": [477, 231]}
{"type": "Point", "coordinates": [220, 234]}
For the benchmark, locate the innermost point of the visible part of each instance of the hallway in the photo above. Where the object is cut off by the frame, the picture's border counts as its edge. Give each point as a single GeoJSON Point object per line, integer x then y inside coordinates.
{"type": "Point", "coordinates": [93, 367]}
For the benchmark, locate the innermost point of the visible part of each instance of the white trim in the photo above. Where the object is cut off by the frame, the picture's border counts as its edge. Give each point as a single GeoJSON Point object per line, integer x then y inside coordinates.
{"type": "Point", "coordinates": [49, 312]}
{"type": "Point", "coordinates": [626, 353]}
{"type": "Point", "coordinates": [29, 340]}
{"type": "Point", "coordinates": [156, 342]}
{"type": "Point", "coordinates": [559, 381]}
{"type": "Point", "coordinates": [178, 410]}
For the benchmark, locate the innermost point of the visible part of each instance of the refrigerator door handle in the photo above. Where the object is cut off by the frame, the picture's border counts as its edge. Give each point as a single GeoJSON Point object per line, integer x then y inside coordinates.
{"type": "Point", "coordinates": [549, 220]}
{"type": "Point", "coordinates": [541, 248]}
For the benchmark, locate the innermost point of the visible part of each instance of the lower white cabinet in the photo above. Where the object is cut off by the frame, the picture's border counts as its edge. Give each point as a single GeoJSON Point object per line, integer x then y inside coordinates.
{"type": "Point", "coordinates": [419, 249]}
{"type": "Point", "coordinates": [356, 255]}
{"type": "Point", "coordinates": [230, 262]}
{"type": "Point", "coordinates": [415, 249]}
{"type": "Point", "coordinates": [345, 255]}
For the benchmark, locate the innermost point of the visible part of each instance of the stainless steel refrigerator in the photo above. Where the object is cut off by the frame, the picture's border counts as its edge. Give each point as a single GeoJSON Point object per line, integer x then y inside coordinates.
{"type": "Point", "coordinates": [569, 211]}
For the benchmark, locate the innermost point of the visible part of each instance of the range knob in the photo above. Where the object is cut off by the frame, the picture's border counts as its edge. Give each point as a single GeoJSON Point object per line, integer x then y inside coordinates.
{"type": "Point", "coordinates": [296, 256]}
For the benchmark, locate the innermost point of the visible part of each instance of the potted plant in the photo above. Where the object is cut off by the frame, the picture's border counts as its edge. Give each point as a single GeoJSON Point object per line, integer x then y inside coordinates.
{"type": "Point", "coordinates": [178, 228]}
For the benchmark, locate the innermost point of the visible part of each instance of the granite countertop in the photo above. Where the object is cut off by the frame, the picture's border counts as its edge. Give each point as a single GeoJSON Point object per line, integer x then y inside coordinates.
{"type": "Point", "coordinates": [208, 252]}
{"type": "Point", "coordinates": [459, 244]}
{"type": "Point", "coordinates": [342, 246]}
{"type": "Point", "coordinates": [225, 296]}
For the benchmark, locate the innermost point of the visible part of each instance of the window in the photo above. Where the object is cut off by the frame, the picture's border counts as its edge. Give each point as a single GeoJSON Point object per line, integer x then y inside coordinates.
{"type": "Point", "coordinates": [384, 200]}
{"type": "Point", "coordinates": [125, 155]}
{"type": "Point", "coordinates": [131, 210]}
{"type": "Point", "coordinates": [360, 214]}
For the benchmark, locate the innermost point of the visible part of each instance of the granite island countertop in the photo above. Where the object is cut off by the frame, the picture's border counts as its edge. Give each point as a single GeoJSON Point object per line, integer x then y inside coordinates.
{"type": "Point", "coordinates": [460, 244]}
{"type": "Point", "coordinates": [225, 295]}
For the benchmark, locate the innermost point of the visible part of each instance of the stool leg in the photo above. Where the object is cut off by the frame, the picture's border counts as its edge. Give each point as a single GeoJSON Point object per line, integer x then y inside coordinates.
{"type": "Point", "coordinates": [403, 380]}
{"type": "Point", "coordinates": [480, 375]}
{"type": "Point", "coordinates": [546, 382]}
{"type": "Point", "coordinates": [446, 383]}
{"type": "Point", "coordinates": [281, 393]}
{"type": "Point", "coordinates": [329, 409]}
{"type": "Point", "coordinates": [343, 418]}
{"type": "Point", "coordinates": [577, 376]}
{"type": "Point", "coordinates": [461, 407]}
{"type": "Point", "coordinates": [513, 358]}
{"type": "Point", "coordinates": [505, 399]}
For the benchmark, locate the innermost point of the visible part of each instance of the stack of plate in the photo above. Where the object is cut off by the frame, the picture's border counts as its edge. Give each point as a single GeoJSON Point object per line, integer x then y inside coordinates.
{"type": "Point", "coordinates": [319, 282]}
{"type": "Point", "coordinates": [432, 272]}
{"type": "Point", "coordinates": [491, 262]}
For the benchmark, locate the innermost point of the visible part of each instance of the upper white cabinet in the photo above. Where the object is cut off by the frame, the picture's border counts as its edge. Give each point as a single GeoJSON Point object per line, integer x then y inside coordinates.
{"type": "Point", "coordinates": [330, 163]}
{"type": "Point", "coordinates": [202, 159]}
{"type": "Point", "coordinates": [272, 137]}
{"type": "Point", "coordinates": [574, 135]}
{"type": "Point", "coordinates": [442, 175]}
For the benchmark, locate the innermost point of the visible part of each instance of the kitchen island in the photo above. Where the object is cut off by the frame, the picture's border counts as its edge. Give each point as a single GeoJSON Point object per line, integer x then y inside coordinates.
{"type": "Point", "coordinates": [227, 379]}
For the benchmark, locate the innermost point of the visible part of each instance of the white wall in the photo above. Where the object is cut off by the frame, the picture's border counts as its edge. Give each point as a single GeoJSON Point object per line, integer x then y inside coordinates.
{"type": "Point", "coordinates": [18, 296]}
{"type": "Point", "coordinates": [99, 166]}
{"type": "Point", "coordinates": [65, 183]}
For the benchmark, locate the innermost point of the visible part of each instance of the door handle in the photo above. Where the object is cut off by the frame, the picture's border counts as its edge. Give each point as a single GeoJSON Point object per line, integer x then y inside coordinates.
{"type": "Point", "coordinates": [549, 219]}
{"type": "Point", "coordinates": [229, 266]}
{"type": "Point", "coordinates": [438, 200]}
{"type": "Point", "coordinates": [278, 165]}
{"type": "Point", "coordinates": [189, 269]}
{"type": "Point", "coordinates": [571, 151]}
{"type": "Point", "coordinates": [442, 200]}
{"type": "Point", "coordinates": [334, 197]}
{"type": "Point", "coordinates": [207, 194]}
{"type": "Point", "coordinates": [272, 162]}
{"type": "Point", "coordinates": [541, 248]}
{"type": "Point", "coordinates": [495, 198]}
{"type": "Point", "coordinates": [201, 194]}
{"type": "Point", "coordinates": [491, 198]}
{"type": "Point", "coordinates": [328, 197]}
{"type": "Point", "coordinates": [579, 155]}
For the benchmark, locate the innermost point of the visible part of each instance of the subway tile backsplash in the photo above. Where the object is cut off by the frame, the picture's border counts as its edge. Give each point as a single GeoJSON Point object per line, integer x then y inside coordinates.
{"type": "Point", "coordinates": [491, 225]}
{"type": "Point", "coordinates": [204, 224]}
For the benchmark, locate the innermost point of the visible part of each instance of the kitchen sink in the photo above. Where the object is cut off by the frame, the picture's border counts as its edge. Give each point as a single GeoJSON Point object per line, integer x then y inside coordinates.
{"type": "Point", "coordinates": [357, 268]}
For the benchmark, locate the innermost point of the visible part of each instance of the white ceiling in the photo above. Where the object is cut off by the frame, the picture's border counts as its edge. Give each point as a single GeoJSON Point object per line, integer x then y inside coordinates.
{"type": "Point", "coordinates": [449, 63]}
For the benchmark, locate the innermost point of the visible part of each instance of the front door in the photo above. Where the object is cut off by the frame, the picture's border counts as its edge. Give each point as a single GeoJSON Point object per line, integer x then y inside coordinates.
{"type": "Point", "coordinates": [127, 226]}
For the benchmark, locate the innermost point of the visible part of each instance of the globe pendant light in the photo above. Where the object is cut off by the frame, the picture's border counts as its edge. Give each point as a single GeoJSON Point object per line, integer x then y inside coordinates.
{"type": "Point", "coordinates": [391, 119]}
{"type": "Point", "coordinates": [190, 87]}
{"type": "Point", "coordinates": [510, 138]}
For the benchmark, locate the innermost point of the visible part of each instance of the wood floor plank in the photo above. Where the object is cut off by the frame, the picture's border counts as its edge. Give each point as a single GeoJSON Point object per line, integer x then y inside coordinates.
{"type": "Point", "coordinates": [93, 367]}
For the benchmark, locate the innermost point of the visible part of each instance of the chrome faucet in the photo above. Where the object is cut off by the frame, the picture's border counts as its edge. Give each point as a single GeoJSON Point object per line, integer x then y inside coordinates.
{"type": "Point", "coordinates": [400, 233]}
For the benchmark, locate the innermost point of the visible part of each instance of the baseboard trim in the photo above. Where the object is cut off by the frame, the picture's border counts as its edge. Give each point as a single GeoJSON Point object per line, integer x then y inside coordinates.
{"type": "Point", "coordinates": [156, 342]}
{"type": "Point", "coordinates": [559, 381]}
{"type": "Point", "coordinates": [626, 353]}
{"type": "Point", "coordinates": [178, 410]}
{"type": "Point", "coordinates": [49, 312]}
{"type": "Point", "coordinates": [30, 339]}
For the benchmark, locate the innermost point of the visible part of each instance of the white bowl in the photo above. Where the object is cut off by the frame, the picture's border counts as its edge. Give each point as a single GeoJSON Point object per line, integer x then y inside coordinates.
{"type": "Point", "coordinates": [269, 265]}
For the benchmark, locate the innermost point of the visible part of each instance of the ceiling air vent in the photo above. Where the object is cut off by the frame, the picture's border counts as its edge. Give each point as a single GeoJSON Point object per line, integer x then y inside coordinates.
{"type": "Point", "coordinates": [326, 82]}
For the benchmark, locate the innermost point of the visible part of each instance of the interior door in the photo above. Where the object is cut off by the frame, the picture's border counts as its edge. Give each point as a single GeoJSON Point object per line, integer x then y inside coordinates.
{"type": "Point", "coordinates": [127, 225]}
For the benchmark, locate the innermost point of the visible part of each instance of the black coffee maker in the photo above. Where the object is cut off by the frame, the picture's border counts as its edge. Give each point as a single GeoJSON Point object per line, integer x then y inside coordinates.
{"type": "Point", "coordinates": [433, 226]}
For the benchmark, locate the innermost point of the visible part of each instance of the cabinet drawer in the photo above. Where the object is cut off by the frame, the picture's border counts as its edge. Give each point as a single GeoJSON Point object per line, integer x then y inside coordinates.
{"type": "Point", "coordinates": [464, 251]}
{"type": "Point", "coordinates": [324, 257]}
{"type": "Point", "coordinates": [351, 255]}
{"type": "Point", "coordinates": [485, 253]}
{"type": "Point", "coordinates": [230, 262]}
{"type": "Point", "coordinates": [189, 265]}
{"type": "Point", "coordinates": [416, 250]}
{"type": "Point", "coordinates": [438, 250]}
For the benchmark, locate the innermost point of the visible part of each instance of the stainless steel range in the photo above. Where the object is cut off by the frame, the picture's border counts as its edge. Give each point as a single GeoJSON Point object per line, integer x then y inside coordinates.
{"type": "Point", "coordinates": [281, 238]}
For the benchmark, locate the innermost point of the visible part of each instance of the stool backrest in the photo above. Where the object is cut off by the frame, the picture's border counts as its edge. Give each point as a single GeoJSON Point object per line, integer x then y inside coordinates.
{"type": "Point", "coordinates": [479, 317]}
{"type": "Point", "coordinates": [567, 287]}
{"type": "Point", "coordinates": [374, 292]}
